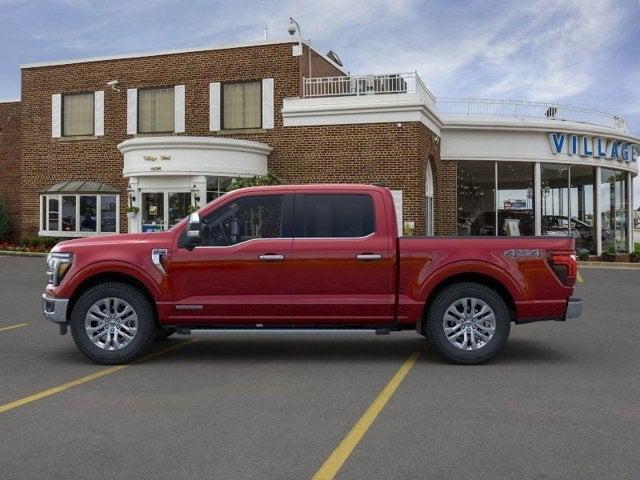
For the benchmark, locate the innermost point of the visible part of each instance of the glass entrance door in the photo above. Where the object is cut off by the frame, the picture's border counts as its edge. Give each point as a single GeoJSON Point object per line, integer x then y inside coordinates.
{"type": "Point", "coordinates": [178, 207]}
{"type": "Point", "coordinates": [163, 210]}
{"type": "Point", "coordinates": [153, 212]}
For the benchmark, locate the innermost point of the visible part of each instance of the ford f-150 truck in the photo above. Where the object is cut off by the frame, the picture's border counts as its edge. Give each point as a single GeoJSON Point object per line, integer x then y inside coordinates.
{"type": "Point", "coordinates": [309, 257]}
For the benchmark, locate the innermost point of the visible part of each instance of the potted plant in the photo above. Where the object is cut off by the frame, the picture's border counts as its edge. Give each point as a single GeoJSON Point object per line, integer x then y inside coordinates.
{"type": "Point", "coordinates": [191, 209]}
{"type": "Point", "coordinates": [132, 211]}
{"type": "Point", "coordinates": [610, 254]}
{"type": "Point", "coordinates": [583, 254]}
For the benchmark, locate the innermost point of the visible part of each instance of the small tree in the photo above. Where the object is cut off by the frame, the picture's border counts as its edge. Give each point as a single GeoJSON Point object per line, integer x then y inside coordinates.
{"type": "Point", "coordinates": [255, 181]}
{"type": "Point", "coordinates": [4, 221]}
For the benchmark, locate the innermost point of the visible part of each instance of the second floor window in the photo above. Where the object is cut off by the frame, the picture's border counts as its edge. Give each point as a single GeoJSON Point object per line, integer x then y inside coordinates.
{"type": "Point", "coordinates": [156, 110]}
{"type": "Point", "coordinates": [242, 105]}
{"type": "Point", "coordinates": [78, 114]}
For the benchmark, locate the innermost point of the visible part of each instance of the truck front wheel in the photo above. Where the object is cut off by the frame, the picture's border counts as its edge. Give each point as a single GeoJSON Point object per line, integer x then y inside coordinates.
{"type": "Point", "coordinates": [113, 323]}
{"type": "Point", "coordinates": [468, 323]}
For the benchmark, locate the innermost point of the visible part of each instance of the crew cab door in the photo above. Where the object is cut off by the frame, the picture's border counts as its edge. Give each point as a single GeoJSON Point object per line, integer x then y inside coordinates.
{"type": "Point", "coordinates": [342, 259]}
{"type": "Point", "coordinates": [241, 273]}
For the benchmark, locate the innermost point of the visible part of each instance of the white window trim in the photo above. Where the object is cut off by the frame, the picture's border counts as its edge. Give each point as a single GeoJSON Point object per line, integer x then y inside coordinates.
{"type": "Point", "coordinates": [132, 111]}
{"type": "Point", "coordinates": [215, 112]}
{"type": "Point", "coordinates": [179, 108]}
{"type": "Point", "coordinates": [56, 115]}
{"type": "Point", "coordinates": [98, 113]}
{"type": "Point", "coordinates": [268, 107]}
{"type": "Point", "coordinates": [44, 215]}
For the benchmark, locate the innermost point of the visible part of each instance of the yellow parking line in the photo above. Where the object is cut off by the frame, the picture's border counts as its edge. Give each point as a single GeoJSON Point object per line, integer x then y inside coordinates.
{"type": "Point", "coordinates": [334, 463]}
{"type": "Point", "coordinates": [88, 378]}
{"type": "Point", "coordinates": [11, 327]}
{"type": "Point", "coordinates": [579, 278]}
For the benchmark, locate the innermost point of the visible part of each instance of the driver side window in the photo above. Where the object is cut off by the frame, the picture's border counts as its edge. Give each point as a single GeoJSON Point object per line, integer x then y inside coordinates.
{"type": "Point", "coordinates": [244, 219]}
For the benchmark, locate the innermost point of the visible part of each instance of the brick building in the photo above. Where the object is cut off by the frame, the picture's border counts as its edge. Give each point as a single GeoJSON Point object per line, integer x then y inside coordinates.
{"type": "Point", "coordinates": [167, 131]}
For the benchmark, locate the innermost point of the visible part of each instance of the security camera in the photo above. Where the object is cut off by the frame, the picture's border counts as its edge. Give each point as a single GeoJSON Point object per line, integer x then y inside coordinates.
{"type": "Point", "coordinates": [112, 84]}
{"type": "Point", "coordinates": [292, 27]}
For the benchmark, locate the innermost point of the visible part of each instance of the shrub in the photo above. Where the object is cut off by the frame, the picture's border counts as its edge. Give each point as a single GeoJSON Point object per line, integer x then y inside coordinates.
{"type": "Point", "coordinates": [583, 254]}
{"type": "Point", "coordinates": [255, 181]}
{"type": "Point", "coordinates": [609, 255]}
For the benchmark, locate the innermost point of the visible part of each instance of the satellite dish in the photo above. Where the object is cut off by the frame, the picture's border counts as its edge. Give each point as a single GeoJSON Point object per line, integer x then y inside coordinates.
{"type": "Point", "coordinates": [334, 56]}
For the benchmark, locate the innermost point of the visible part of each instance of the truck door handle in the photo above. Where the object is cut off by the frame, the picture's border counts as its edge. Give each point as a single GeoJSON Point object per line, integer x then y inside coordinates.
{"type": "Point", "coordinates": [271, 257]}
{"type": "Point", "coordinates": [368, 257]}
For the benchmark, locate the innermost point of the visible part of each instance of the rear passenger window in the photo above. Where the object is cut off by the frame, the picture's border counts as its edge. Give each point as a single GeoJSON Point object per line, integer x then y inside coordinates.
{"type": "Point", "coordinates": [327, 215]}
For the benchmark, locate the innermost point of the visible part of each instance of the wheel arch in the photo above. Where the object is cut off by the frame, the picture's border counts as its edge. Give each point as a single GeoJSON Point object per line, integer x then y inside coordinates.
{"type": "Point", "coordinates": [106, 277]}
{"type": "Point", "coordinates": [473, 277]}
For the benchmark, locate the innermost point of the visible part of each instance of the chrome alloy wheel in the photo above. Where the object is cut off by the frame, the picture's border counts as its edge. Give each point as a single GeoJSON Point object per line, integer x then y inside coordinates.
{"type": "Point", "coordinates": [469, 323]}
{"type": "Point", "coordinates": [111, 323]}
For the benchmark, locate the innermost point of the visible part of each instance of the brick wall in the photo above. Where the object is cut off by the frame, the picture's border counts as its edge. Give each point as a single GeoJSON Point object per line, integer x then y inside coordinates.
{"type": "Point", "coordinates": [445, 186]}
{"type": "Point", "coordinates": [45, 161]}
{"type": "Point", "coordinates": [9, 159]}
{"type": "Point", "coordinates": [388, 153]}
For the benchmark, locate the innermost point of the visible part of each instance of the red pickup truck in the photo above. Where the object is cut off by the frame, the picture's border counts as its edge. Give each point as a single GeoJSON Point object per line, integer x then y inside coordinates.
{"type": "Point", "coordinates": [311, 257]}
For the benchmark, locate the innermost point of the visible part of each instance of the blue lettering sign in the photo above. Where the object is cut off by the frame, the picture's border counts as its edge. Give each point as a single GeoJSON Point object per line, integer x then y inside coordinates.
{"type": "Point", "coordinates": [586, 147]}
{"type": "Point", "coordinates": [614, 150]}
{"type": "Point", "coordinates": [557, 142]}
{"type": "Point", "coordinates": [624, 151]}
{"type": "Point", "coordinates": [573, 145]}
{"type": "Point", "coordinates": [597, 147]}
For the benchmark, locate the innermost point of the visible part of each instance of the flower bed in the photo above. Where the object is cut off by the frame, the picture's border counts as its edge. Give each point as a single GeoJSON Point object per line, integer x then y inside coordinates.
{"type": "Point", "coordinates": [30, 245]}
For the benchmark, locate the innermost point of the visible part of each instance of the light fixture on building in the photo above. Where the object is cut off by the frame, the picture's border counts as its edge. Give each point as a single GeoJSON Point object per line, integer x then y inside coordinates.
{"type": "Point", "coordinates": [195, 191]}
{"type": "Point", "coordinates": [131, 192]}
{"type": "Point", "coordinates": [292, 29]}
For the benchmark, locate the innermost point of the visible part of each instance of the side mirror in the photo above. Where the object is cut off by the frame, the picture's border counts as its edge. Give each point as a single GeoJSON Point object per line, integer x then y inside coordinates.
{"type": "Point", "coordinates": [194, 231]}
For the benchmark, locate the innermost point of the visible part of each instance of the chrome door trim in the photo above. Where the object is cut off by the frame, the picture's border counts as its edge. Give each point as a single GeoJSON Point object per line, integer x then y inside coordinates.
{"type": "Point", "coordinates": [368, 257]}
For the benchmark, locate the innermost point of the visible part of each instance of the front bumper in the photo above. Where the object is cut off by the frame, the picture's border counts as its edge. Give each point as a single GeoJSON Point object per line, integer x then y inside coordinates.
{"type": "Point", "coordinates": [55, 309]}
{"type": "Point", "coordinates": [574, 308]}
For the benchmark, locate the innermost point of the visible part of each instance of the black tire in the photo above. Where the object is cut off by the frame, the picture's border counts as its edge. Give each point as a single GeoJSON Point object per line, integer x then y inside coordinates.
{"type": "Point", "coordinates": [434, 328]}
{"type": "Point", "coordinates": [165, 333]}
{"type": "Point", "coordinates": [147, 326]}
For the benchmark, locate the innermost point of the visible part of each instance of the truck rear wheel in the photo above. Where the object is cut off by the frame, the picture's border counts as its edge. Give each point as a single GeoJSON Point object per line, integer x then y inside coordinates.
{"type": "Point", "coordinates": [468, 323]}
{"type": "Point", "coordinates": [113, 323]}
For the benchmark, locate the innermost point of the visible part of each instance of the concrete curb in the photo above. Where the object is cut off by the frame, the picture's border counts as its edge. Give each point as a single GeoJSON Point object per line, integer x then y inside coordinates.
{"type": "Point", "coordinates": [611, 265]}
{"type": "Point", "coordinates": [11, 253]}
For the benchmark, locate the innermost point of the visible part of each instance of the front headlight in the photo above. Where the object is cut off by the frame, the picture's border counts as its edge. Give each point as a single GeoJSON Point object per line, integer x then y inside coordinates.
{"type": "Point", "coordinates": [58, 265]}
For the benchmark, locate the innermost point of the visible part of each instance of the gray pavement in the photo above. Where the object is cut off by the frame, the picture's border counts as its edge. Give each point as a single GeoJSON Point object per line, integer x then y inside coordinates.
{"type": "Point", "coordinates": [562, 401]}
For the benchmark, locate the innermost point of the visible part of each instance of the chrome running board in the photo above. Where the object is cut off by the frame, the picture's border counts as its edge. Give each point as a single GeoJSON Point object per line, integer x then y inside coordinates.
{"type": "Point", "coordinates": [282, 331]}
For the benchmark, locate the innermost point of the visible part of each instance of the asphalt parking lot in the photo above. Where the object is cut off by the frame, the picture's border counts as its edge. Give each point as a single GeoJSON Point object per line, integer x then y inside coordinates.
{"type": "Point", "coordinates": [562, 401]}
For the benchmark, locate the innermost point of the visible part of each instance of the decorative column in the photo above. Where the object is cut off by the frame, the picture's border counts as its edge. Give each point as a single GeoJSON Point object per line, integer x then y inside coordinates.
{"type": "Point", "coordinates": [133, 193]}
{"type": "Point", "coordinates": [598, 213]}
{"type": "Point", "coordinates": [537, 198]}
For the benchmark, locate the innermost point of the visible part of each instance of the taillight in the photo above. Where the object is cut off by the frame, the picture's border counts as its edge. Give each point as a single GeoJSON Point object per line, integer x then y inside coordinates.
{"type": "Point", "coordinates": [565, 267]}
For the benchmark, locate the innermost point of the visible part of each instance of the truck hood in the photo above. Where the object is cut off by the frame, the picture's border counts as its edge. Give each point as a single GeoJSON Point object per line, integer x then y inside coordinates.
{"type": "Point", "coordinates": [108, 240]}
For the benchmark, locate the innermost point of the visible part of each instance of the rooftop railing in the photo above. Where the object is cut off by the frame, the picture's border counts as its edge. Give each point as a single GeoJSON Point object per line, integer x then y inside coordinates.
{"type": "Point", "coordinates": [399, 83]}
{"type": "Point", "coordinates": [526, 109]}
{"type": "Point", "coordinates": [356, 85]}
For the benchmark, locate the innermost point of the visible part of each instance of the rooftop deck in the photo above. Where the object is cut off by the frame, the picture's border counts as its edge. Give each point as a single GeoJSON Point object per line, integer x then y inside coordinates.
{"type": "Point", "coordinates": [411, 83]}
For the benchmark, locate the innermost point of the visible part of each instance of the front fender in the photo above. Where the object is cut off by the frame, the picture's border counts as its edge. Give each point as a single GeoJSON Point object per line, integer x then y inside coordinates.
{"type": "Point", "coordinates": [156, 283]}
